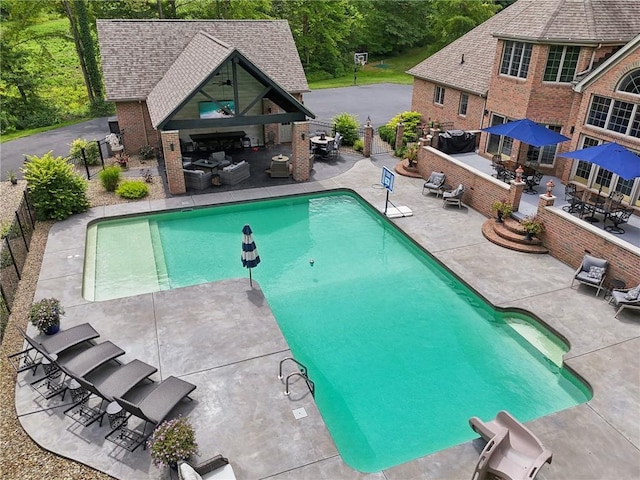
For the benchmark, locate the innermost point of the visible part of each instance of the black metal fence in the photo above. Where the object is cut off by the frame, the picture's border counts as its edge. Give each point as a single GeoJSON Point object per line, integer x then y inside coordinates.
{"type": "Point", "coordinates": [16, 239]}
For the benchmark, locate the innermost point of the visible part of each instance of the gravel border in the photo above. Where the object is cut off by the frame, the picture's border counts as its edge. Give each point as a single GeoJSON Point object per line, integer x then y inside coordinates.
{"type": "Point", "coordinates": [22, 457]}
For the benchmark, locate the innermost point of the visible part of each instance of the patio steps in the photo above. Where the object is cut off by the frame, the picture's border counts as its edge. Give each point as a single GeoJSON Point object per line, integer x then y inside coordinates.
{"type": "Point", "coordinates": [511, 235]}
{"type": "Point", "coordinates": [403, 168]}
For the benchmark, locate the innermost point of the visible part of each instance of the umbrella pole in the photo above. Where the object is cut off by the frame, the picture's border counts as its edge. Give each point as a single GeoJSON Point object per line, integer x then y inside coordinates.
{"type": "Point", "coordinates": [250, 281]}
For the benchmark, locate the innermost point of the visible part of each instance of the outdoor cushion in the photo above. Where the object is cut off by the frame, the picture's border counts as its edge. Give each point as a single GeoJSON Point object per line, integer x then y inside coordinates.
{"type": "Point", "coordinates": [188, 473]}
{"type": "Point", "coordinates": [633, 294]}
{"type": "Point", "coordinates": [596, 272]}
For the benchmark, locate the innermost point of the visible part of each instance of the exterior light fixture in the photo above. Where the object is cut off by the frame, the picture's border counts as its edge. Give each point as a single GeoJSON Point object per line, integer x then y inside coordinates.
{"type": "Point", "coordinates": [302, 135]}
{"type": "Point", "coordinates": [172, 147]}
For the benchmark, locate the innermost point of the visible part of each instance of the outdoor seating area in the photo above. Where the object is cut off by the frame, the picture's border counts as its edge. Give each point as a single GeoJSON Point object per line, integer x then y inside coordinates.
{"type": "Point", "coordinates": [325, 147]}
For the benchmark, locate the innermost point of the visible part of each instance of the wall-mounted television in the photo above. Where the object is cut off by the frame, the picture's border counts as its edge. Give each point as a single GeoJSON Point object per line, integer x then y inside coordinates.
{"type": "Point", "coordinates": [217, 109]}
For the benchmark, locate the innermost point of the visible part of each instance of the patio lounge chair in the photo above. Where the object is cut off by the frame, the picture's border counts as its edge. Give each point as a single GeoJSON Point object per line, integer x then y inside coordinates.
{"type": "Point", "coordinates": [74, 364]}
{"type": "Point", "coordinates": [618, 217]}
{"type": "Point", "coordinates": [55, 344]}
{"type": "Point", "coordinates": [512, 450]}
{"type": "Point", "coordinates": [454, 197]}
{"type": "Point", "coordinates": [626, 299]}
{"type": "Point", "coordinates": [114, 384]}
{"type": "Point", "coordinates": [592, 271]}
{"type": "Point", "coordinates": [153, 408]}
{"type": "Point", "coordinates": [217, 468]}
{"type": "Point", "coordinates": [434, 183]}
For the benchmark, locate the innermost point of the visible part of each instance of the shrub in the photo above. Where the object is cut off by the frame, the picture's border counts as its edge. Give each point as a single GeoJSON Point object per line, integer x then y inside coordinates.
{"type": "Point", "coordinates": [410, 121]}
{"type": "Point", "coordinates": [502, 206]}
{"type": "Point", "coordinates": [110, 177]}
{"type": "Point", "coordinates": [358, 145]}
{"type": "Point", "coordinates": [347, 125]}
{"type": "Point", "coordinates": [133, 190]}
{"type": "Point", "coordinates": [388, 134]}
{"type": "Point", "coordinates": [146, 152]}
{"type": "Point", "coordinates": [172, 441]}
{"type": "Point", "coordinates": [56, 191]}
{"type": "Point", "coordinates": [91, 152]}
{"type": "Point", "coordinates": [532, 224]}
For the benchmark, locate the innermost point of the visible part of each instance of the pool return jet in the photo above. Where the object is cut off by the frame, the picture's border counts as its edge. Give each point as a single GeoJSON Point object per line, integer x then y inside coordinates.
{"type": "Point", "coordinates": [392, 211]}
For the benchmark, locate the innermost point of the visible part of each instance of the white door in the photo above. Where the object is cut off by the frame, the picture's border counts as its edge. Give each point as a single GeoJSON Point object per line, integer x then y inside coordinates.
{"type": "Point", "coordinates": [285, 133]}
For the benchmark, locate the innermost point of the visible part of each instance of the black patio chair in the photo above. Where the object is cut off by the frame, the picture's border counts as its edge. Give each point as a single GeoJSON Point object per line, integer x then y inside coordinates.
{"type": "Point", "coordinates": [575, 202]}
{"type": "Point", "coordinates": [618, 217]}
{"type": "Point", "coordinates": [532, 181]}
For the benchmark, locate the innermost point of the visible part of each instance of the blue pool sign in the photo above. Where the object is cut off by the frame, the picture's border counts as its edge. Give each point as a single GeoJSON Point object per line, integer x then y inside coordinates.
{"type": "Point", "coordinates": [387, 179]}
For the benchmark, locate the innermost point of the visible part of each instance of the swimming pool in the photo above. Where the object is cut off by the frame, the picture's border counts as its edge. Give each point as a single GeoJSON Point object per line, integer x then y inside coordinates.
{"type": "Point", "coordinates": [401, 351]}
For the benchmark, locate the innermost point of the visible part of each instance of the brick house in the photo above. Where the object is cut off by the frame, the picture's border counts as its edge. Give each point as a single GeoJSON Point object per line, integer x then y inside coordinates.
{"type": "Point", "coordinates": [573, 66]}
{"type": "Point", "coordinates": [172, 79]}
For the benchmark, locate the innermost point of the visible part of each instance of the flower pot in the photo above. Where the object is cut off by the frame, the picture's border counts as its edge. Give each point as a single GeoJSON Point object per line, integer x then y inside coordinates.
{"type": "Point", "coordinates": [529, 236]}
{"type": "Point", "coordinates": [52, 330]}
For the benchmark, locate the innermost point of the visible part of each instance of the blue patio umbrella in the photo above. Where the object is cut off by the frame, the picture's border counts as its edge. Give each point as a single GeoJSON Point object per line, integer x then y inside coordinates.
{"type": "Point", "coordinates": [528, 132]}
{"type": "Point", "coordinates": [250, 257]}
{"type": "Point", "coordinates": [611, 156]}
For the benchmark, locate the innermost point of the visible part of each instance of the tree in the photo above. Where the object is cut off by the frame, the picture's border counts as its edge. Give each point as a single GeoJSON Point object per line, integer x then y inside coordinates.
{"type": "Point", "coordinates": [450, 19]}
{"type": "Point", "coordinates": [80, 25]}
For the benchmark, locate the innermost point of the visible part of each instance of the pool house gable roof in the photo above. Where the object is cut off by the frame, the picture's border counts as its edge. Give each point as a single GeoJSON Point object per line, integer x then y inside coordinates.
{"type": "Point", "coordinates": [136, 54]}
{"type": "Point", "coordinates": [205, 59]}
{"type": "Point", "coordinates": [467, 63]}
{"type": "Point", "coordinates": [608, 64]}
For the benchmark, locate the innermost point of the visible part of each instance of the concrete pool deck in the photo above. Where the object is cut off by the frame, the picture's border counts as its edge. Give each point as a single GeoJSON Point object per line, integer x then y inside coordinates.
{"type": "Point", "coordinates": [223, 338]}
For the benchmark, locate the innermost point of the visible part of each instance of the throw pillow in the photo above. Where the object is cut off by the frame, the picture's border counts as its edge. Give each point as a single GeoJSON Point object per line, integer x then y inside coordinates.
{"type": "Point", "coordinates": [596, 273]}
{"type": "Point", "coordinates": [633, 294]}
{"type": "Point", "coordinates": [188, 473]}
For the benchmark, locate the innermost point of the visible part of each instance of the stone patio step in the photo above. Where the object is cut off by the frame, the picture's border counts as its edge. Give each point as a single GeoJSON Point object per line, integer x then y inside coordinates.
{"type": "Point", "coordinates": [521, 245]}
{"type": "Point", "coordinates": [513, 231]}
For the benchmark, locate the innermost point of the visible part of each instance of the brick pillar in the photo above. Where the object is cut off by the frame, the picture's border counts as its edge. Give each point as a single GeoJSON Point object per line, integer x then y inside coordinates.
{"type": "Point", "coordinates": [515, 194]}
{"type": "Point", "coordinates": [300, 156]}
{"type": "Point", "coordinates": [399, 134]}
{"type": "Point", "coordinates": [546, 201]}
{"type": "Point", "coordinates": [368, 140]}
{"type": "Point", "coordinates": [434, 132]}
{"type": "Point", "coordinates": [173, 161]}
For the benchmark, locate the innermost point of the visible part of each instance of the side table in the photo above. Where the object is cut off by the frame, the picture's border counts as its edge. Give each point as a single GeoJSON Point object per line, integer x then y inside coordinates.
{"type": "Point", "coordinates": [615, 284]}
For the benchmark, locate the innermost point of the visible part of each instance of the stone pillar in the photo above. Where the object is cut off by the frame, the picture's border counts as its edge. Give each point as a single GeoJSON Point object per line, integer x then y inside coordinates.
{"type": "Point", "coordinates": [368, 140]}
{"type": "Point", "coordinates": [399, 135]}
{"type": "Point", "coordinates": [173, 161]}
{"type": "Point", "coordinates": [300, 152]}
{"type": "Point", "coordinates": [515, 194]}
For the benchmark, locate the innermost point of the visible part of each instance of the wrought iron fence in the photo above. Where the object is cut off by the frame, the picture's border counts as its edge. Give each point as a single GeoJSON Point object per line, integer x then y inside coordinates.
{"type": "Point", "coordinates": [16, 239]}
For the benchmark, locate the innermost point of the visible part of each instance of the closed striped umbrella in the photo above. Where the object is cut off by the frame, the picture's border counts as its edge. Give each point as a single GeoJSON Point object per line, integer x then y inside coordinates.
{"type": "Point", "coordinates": [250, 257]}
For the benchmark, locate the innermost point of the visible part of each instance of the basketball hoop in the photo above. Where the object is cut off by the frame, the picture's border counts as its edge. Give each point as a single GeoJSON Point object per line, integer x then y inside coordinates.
{"type": "Point", "coordinates": [359, 58]}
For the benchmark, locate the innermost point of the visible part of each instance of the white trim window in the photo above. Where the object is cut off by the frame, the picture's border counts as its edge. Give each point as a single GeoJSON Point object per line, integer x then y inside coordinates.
{"type": "Point", "coordinates": [593, 176]}
{"type": "Point", "coordinates": [516, 57]}
{"type": "Point", "coordinates": [464, 103]}
{"type": "Point", "coordinates": [630, 83]}
{"type": "Point", "coordinates": [562, 62]}
{"type": "Point", "coordinates": [615, 115]}
{"type": "Point", "coordinates": [438, 95]}
{"type": "Point", "coordinates": [499, 143]}
{"type": "Point", "coordinates": [544, 155]}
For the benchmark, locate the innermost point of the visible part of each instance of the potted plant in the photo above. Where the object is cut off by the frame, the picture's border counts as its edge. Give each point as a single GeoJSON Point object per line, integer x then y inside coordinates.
{"type": "Point", "coordinates": [11, 176]}
{"type": "Point", "coordinates": [411, 154]}
{"type": "Point", "coordinates": [502, 209]}
{"type": "Point", "coordinates": [532, 225]}
{"type": "Point", "coordinates": [122, 160]}
{"type": "Point", "coordinates": [172, 441]}
{"type": "Point", "coordinates": [45, 315]}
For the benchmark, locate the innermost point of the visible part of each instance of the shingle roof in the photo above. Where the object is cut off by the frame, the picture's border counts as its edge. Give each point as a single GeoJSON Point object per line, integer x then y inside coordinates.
{"type": "Point", "coordinates": [579, 21]}
{"type": "Point", "coordinates": [199, 58]}
{"type": "Point", "coordinates": [137, 53]}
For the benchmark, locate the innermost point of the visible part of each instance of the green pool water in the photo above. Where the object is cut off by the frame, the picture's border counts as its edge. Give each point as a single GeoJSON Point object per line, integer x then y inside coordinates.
{"type": "Point", "coordinates": [401, 351]}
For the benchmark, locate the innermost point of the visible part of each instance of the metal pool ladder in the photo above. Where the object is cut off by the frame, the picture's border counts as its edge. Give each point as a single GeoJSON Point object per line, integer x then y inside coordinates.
{"type": "Point", "coordinates": [301, 373]}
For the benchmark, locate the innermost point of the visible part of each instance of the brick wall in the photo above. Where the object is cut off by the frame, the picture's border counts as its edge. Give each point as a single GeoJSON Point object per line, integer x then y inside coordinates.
{"type": "Point", "coordinates": [568, 239]}
{"type": "Point", "coordinates": [300, 151]}
{"type": "Point", "coordinates": [173, 162]}
{"type": "Point", "coordinates": [422, 102]}
{"type": "Point", "coordinates": [481, 189]}
{"type": "Point", "coordinates": [134, 121]}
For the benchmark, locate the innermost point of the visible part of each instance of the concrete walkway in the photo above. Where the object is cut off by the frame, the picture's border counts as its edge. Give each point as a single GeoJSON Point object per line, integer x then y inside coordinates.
{"type": "Point", "coordinates": [223, 338]}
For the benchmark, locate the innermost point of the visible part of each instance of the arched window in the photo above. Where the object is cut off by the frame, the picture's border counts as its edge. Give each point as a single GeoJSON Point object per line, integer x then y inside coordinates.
{"type": "Point", "coordinates": [631, 83]}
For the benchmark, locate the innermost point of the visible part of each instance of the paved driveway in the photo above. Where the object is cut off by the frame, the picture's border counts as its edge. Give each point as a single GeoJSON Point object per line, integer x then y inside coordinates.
{"type": "Point", "coordinates": [380, 102]}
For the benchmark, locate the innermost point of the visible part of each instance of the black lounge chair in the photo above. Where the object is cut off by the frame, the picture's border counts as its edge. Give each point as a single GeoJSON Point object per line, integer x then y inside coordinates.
{"type": "Point", "coordinates": [65, 339]}
{"type": "Point", "coordinates": [532, 180]}
{"type": "Point", "coordinates": [617, 217]}
{"type": "Point", "coordinates": [74, 364]}
{"type": "Point", "coordinates": [106, 387]}
{"type": "Point", "coordinates": [153, 409]}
